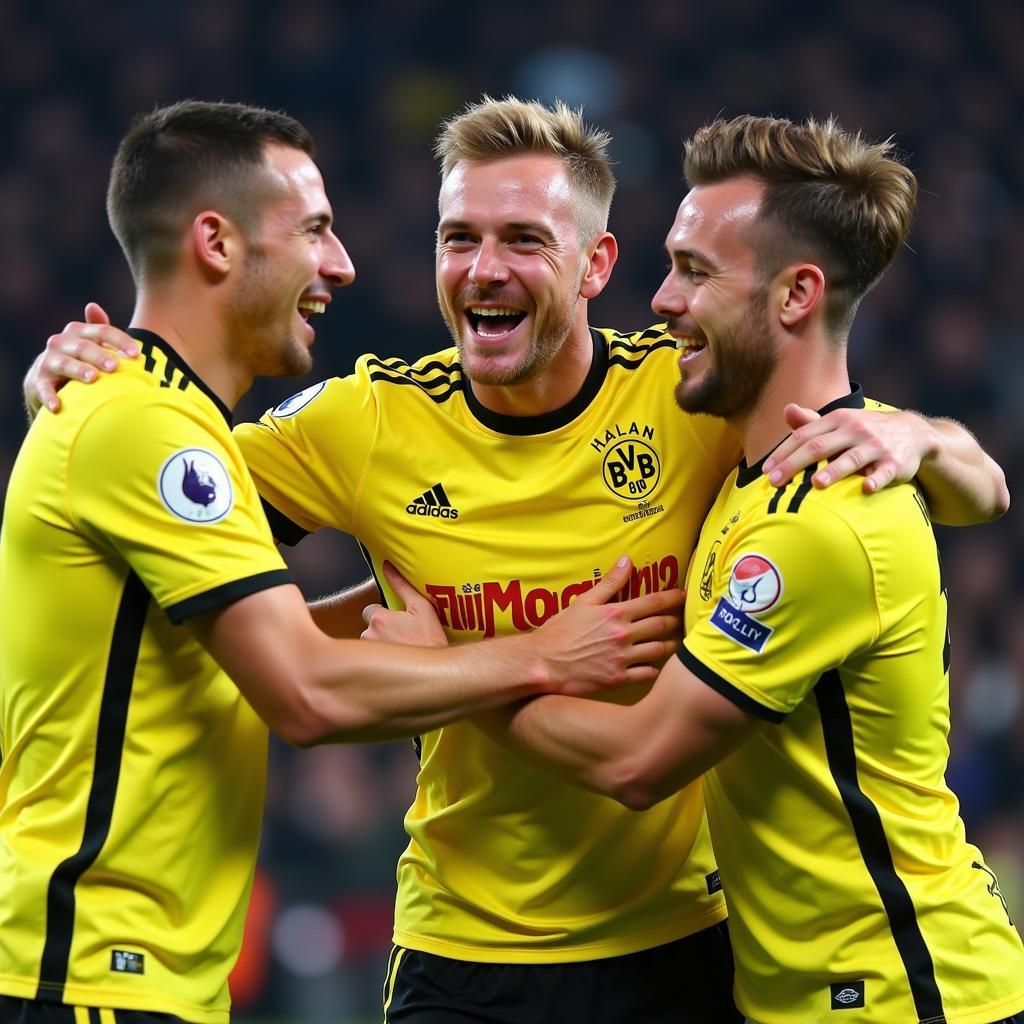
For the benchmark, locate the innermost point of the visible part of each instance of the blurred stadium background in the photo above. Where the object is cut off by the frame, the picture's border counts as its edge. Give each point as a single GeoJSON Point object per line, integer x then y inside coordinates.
{"type": "Point", "coordinates": [944, 333]}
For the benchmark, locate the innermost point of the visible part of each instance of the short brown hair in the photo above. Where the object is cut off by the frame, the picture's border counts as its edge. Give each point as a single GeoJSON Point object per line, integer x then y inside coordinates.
{"type": "Point", "coordinates": [494, 129]}
{"type": "Point", "coordinates": [829, 195]}
{"type": "Point", "coordinates": [185, 157]}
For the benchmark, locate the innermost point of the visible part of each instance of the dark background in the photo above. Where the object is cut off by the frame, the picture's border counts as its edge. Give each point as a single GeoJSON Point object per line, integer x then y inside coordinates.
{"type": "Point", "coordinates": [942, 333]}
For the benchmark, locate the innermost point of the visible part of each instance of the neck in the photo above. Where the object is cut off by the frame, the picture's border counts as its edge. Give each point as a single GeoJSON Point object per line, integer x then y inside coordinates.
{"type": "Point", "coordinates": [554, 385]}
{"type": "Point", "coordinates": [811, 382]}
{"type": "Point", "coordinates": [195, 330]}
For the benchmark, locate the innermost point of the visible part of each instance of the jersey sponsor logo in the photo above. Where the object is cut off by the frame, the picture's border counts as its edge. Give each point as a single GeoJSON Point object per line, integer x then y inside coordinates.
{"type": "Point", "coordinates": [432, 503]}
{"type": "Point", "coordinates": [643, 510]}
{"type": "Point", "coordinates": [847, 995]}
{"type": "Point", "coordinates": [195, 486]}
{"type": "Point", "coordinates": [755, 585]}
{"type": "Point", "coordinates": [127, 962]}
{"type": "Point", "coordinates": [631, 465]}
{"type": "Point", "coordinates": [475, 607]}
{"type": "Point", "coordinates": [740, 627]}
{"type": "Point", "coordinates": [297, 402]}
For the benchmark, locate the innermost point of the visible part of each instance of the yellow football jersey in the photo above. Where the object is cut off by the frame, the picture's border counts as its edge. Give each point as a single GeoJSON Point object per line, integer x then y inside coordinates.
{"type": "Point", "coordinates": [850, 883]}
{"type": "Point", "coordinates": [131, 788]}
{"type": "Point", "coordinates": [502, 521]}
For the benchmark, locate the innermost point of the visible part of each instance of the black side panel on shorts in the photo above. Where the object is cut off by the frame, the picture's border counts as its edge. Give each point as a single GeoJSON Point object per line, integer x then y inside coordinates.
{"type": "Point", "coordinates": [869, 832]}
{"type": "Point", "coordinates": [117, 691]}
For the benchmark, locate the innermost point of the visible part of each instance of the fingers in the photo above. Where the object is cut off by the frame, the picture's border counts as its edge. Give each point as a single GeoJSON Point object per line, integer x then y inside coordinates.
{"type": "Point", "coordinates": [95, 314]}
{"type": "Point", "coordinates": [609, 584]}
{"type": "Point", "coordinates": [651, 604]}
{"type": "Point", "coordinates": [652, 653]}
{"type": "Point", "coordinates": [798, 416]}
{"type": "Point", "coordinates": [369, 611]}
{"type": "Point", "coordinates": [879, 477]}
{"type": "Point", "coordinates": [849, 462]}
{"type": "Point", "coordinates": [657, 627]}
{"type": "Point", "coordinates": [406, 592]}
{"type": "Point", "coordinates": [805, 447]}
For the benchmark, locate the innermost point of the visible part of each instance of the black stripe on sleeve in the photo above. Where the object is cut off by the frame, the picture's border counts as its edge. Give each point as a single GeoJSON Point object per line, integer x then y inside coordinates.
{"type": "Point", "coordinates": [726, 689]}
{"type": "Point", "coordinates": [773, 505]}
{"type": "Point", "coordinates": [110, 732]}
{"type": "Point", "coordinates": [284, 529]}
{"type": "Point", "coordinates": [226, 593]}
{"type": "Point", "coordinates": [868, 830]}
{"type": "Point", "coordinates": [803, 490]}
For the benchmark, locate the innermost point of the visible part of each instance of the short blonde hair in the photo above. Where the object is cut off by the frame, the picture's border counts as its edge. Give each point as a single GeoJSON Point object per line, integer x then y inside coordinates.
{"type": "Point", "coordinates": [494, 129]}
{"type": "Point", "coordinates": [829, 196]}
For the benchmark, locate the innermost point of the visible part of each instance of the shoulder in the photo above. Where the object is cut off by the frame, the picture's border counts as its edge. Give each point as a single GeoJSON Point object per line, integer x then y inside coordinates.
{"type": "Point", "coordinates": [631, 349]}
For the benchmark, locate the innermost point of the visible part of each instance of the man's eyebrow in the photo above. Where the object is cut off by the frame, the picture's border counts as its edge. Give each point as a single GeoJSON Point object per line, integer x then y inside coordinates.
{"type": "Point", "coordinates": [319, 220]}
{"type": "Point", "coordinates": [691, 255]}
{"type": "Point", "coordinates": [531, 226]}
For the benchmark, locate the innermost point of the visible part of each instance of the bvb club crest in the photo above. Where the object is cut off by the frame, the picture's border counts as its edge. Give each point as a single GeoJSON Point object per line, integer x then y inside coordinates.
{"type": "Point", "coordinates": [631, 469]}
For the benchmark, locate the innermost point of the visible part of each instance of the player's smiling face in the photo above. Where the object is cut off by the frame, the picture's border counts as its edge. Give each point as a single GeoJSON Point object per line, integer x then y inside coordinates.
{"type": "Point", "coordinates": [715, 302]}
{"type": "Point", "coordinates": [509, 265]}
{"type": "Point", "coordinates": [293, 261]}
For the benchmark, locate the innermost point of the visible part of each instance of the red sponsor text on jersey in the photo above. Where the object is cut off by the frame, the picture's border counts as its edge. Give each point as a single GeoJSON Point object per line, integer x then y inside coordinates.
{"type": "Point", "coordinates": [472, 607]}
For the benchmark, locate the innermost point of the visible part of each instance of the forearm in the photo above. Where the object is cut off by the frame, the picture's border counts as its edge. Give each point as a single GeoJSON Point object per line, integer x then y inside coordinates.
{"type": "Point", "coordinates": [585, 742]}
{"type": "Point", "coordinates": [962, 484]}
{"type": "Point", "coordinates": [369, 692]}
{"type": "Point", "coordinates": [341, 615]}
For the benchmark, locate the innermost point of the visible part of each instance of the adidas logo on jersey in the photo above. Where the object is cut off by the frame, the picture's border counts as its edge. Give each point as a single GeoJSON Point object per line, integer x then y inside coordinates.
{"type": "Point", "coordinates": [433, 503]}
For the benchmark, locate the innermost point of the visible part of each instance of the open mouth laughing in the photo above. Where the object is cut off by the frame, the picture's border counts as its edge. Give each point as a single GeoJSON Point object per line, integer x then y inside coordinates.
{"type": "Point", "coordinates": [493, 323]}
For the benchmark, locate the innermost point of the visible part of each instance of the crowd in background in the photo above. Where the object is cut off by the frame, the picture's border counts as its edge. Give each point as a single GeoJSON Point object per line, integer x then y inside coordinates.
{"type": "Point", "coordinates": [943, 333]}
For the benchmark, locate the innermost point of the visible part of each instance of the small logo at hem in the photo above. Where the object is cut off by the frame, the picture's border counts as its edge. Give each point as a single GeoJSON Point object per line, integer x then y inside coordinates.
{"type": "Point", "coordinates": [847, 995]}
{"type": "Point", "coordinates": [126, 962]}
{"type": "Point", "coordinates": [433, 504]}
{"type": "Point", "coordinates": [714, 882]}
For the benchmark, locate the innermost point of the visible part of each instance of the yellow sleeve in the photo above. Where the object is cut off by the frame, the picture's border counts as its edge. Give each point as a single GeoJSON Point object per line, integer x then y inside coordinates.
{"type": "Point", "coordinates": [794, 597]}
{"type": "Point", "coordinates": [153, 482]}
{"type": "Point", "coordinates": [308, 455]}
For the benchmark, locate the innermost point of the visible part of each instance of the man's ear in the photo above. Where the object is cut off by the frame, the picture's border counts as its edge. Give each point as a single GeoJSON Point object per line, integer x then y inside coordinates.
{"type": "Point", "coordinates": [603, 254]}
{"type": "Point", "coordinates": [802, 290]}
{"type": "Point", "coordinates": [216, 242]}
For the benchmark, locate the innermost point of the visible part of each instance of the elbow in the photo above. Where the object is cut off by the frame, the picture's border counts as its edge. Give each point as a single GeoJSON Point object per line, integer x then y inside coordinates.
{"type": "Point", "coordinates": [1002, 498]}
{"type": "Point", "coordinates": [307, 722]}
{"type": "Point", "coordinates": [638, 784]}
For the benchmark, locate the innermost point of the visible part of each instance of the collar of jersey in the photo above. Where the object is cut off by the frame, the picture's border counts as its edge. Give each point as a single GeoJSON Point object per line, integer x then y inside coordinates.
{"type": "Point", "coordinates": [521, 426]}
{"type": "Point", "coordinates": [145, 338]}
{"type": "Point", "coordinates": [854, 400]}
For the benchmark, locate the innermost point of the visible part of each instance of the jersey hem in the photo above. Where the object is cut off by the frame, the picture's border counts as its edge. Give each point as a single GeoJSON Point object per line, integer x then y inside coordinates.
{"type": "Point", "coordinates": [983, 1015]}
{"type": "Point", "coordinates": [116, 999]}
{"type": "Point", "coordinates": [560, 954]}
{"type": "Point", "coordinates": [227, 592]}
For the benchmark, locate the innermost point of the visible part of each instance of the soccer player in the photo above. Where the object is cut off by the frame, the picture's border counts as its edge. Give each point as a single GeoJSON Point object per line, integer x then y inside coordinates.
{"type": "Point", "coordinates": [812, 684]}
{"type": "Point", "coordinates": [133, 768]}
{"type": "Point", "coordinates": [540, 443]}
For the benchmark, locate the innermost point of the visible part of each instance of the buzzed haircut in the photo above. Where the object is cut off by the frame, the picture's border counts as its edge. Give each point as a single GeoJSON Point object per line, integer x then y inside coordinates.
{"type": "Point", "coordinates": [830, 197]}
{"type": "Point", "coordinates": [181, 159]}
{"type": "Point", "coordinates": [495, 129]}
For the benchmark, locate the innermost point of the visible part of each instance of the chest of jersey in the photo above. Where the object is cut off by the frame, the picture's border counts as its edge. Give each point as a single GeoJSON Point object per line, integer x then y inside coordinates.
{"type": "Point", "coordinates": [504, 531]}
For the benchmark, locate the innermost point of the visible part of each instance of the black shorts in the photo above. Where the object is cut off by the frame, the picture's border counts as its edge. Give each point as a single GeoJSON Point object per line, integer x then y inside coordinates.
{"type": "Point", "coordinates": [35, 1011]}
{"type": "Point", "coordinates": [688, 981]}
